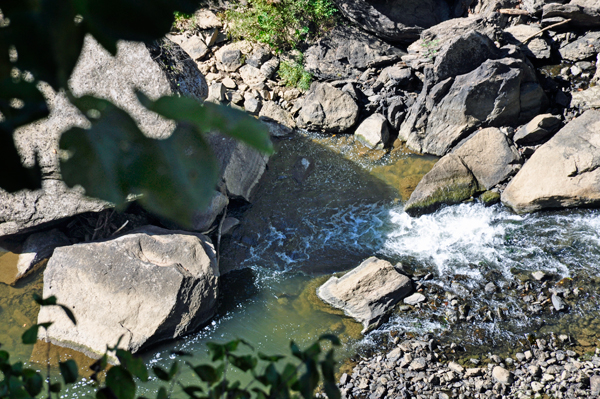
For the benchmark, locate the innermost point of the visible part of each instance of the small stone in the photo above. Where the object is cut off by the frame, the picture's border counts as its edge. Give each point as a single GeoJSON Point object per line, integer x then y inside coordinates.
{"type": "Point", "coordinates": [259, 56]}
{"type": "Point", "coordinates": [229, 83]}
{"type": "Point", "coordinates": [558, 303]}
{"type": "Point", "coordinates": [539, 275]}
{"type": "Point", "coordinates": [414, 299]}
{"type": "Point", "coordinates": [490, 288]}
{"type": "Point", "coordinates": [418, 364]}
{"type": "Point", "coordinates": [394, 354]}
{"type": "Point", "coordinates": [457, 368]}
{"type": "Point", "coordinates": [252, 76]}
{"type": "Point", "coordinates": [269, 67]}
{"type": "Point", "coordinates": [216, 93]}
{"type": "Point", "coordinates": [520, 356]}
{"type": "Point", "coordinates": [534, 371]}
{"type": "Point", "coordinates": [575, 70]}
{"type": "Point", "coordinates": [537, 386]}
{"type": "Point", "coordinates": [237, 98]}
{"type": "Point", "coordinates": [502, 375]}
{"type": "Point", "coordinates": [595, 385]}
{"type": "Point", "coordinates": [344, 379]}
{"type": "Point", "coordinates": [473, 372]}
{"type": "Point", "coordinates": [252, 104]}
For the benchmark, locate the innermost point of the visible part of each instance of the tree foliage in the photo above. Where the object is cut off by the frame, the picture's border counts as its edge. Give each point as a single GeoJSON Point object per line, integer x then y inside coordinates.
{"type": "Point", "coordinates": [298, 378]}
{"type": "Point", "coordinates": [41, 41]}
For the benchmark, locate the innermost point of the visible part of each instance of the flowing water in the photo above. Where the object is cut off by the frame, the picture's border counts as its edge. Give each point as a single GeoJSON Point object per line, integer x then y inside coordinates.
{"type": "Point", "coordinates": [320, 211]}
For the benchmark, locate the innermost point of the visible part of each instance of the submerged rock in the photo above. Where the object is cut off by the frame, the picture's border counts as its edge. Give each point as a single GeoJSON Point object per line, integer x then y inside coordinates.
{"type": "Point", "coordinates": [564, 172]}
{"type": "Point", "coordinates": [147, 286]}
{"type": "Point", "coordinates": [367, 292]}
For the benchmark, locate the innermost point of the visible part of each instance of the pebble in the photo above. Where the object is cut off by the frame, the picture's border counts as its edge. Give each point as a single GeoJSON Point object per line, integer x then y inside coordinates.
{"type": "Point", "coordinates": [414, 299]}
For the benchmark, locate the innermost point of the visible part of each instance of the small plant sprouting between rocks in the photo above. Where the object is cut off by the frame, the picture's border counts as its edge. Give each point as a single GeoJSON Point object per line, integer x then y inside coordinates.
{"type": "Point", "coordinates": [270, 378]}
{"type": "Point", "coordinates": [431, 47]}
{"type": "Point", "coordinates": [293, 74]}
{"type": "Point", "coordinates": [281, 24]}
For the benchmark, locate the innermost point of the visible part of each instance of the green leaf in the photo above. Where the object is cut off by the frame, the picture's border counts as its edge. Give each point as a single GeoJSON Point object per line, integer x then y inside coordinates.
{"type": "Point", "coordinates": [244, 363]}
{"type": "Point", "coordinates": [217, 350]}
{"type": "Point", "coordinates": [192, 390]}
{"type": "Point", "coordinates": [134, 365]}
{"type": "Point", "coordinates": [208, 373]}
{"type": "Point", "coordinates": [272, 376]}
{"type": "Point", "coordinates": [33, 382]}
{"type": "Point", "coordinates": [4, 356]}
{"type": "Point", "coordinates": [332, 338]}
{"type": "Point", "coordinates": [17, 390]}
{"type": "Point", "coordinates": [274, 358]}
{"type": "Point", "coordinates": [162, 393]}
{"type": "Point", "coordinates": [113, 20]}
{"type": "Point", "coordinates": [69, 371]}
{"type": "Point", "coordinates": [176, 176]}
{"type": "Point", "coordinates": [56, 387]}
{"type": "Point", "coordinates": [329, 380]}
{"type": "Point", "coordinates": [313, 351]}
{"type": "Point", "coordinates": [309, 380]}
{"type": "Point", "coordinates": [105, 393]}
{"type": "Point", "coordinates": [209, 117]}
{"type": "Point", "coordinates": [46, 36]}
{"type": "Point", "coordinates": [161, 374]}
{"type": "Point", "coordinates": [29, 337]}
{"type": "Point", "coordinates": [120, 382]}
{"type": "Point", "coordinates": [296, 351]}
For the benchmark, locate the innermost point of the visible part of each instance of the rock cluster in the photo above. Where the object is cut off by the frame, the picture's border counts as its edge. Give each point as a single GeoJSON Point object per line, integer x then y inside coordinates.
{"type": "Point", "coordinates": [423, 368]}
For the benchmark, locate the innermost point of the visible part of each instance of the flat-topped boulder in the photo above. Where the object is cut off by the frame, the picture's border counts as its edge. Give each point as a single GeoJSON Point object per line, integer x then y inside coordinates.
{"type": "Point", "coordinates": [367, 292]}
{"type": "Point", "coordinates": [563, 173]}
{"type": "Point", "coordinates": [148, 286]}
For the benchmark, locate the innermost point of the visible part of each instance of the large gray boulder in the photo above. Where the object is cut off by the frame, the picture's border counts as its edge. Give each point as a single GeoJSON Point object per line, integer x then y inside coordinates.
{"type": "Point", "coordinates": [148, 286]}
{"type": "Point", "coordinates": [397, 20]}
{"type": "Point", "coordinates": [585, 47]}
{"type": "Point", "coordinates": [537, 47]}
{"type": "Point", "coordinates": [503, 92]}
{"type": "Point", "coordinates": [367, 292]}
{"type": "Point", "coordinates": [563, 173]}
{"type": "Point", "coordinates": [347, 51]}
{"type": "Point", "coordinates": [134, 67]}
{"type": "Point", "coordinates": [582, 13]}
{"type": "Point", "coordinates": [486, 159]}
{"type": "Point", "coordinates": [425, 50]}
{"type": "Point", "coordinates": [328, 109]}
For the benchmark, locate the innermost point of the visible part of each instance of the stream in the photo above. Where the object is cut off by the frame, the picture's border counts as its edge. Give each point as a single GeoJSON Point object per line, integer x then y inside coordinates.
{"type": "Point", "coordinates": [324, 205]}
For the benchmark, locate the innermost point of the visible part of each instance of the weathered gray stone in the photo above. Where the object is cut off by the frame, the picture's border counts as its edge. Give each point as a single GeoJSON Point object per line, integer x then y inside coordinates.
{"type": "Point", "coordinates": [367, 292]}
{"type": "Point", "coordinates": [39, 246]}
{"type": "Point", "coordinates": [502, 375]}
{"type": "Point", "coordinates": [449, 182]}
{"type": "Point", "coordinates": [537, 47]}
{"type": "Point", "coordinates": [259, 56]}
{"type": "Point", "coordinates": [252, 104]}
{"type": "Point", "coordinates": [373, 132]}
{"type": "Point", "coordinates": [241, 166]}
{"type": "Point", "coordinates": [586, 99]}
{"type": "Point", "coordinates": [583, 48]}
{"type": "Point", "coordinates": [564, 172]}
{"type": "Point", "coordinates": [396, 20]}
{"type": "Point", "coordinates": [252, 76]}
{"type": "Point", "coordinates": [328, 109]}
{"type": "Point", "coordinates": [537, 130]}
{"type": "Point", "coordinates": [400, 76]}
{"type": "Point", "coordinates": [268, 68]}
{"type": "Point", "coordinates": [414, 299]}
{"type": "Point", "coordinates": [230, 57]}
{"type": "Point", "coordinates": [135, 67]}
{"type": "Point", "coordinates": [462, 54]}
{"type": "Point", "coordinates": [347, 51]}
{"type": "Point", "coordinates": [216, 93]}
{"type": "Point", "coordinates": [280, 122]}
{"type": "Point", "coordinates": [203, 220]}
{"type": "Point", "coordinates": [582, 13]}
{"type": "Point", "coordinates": [558, 303]}
{"type": "Point", "coordinates": [482, 162]}
{"type": "Point", "coordinates": [195, 47]}
{"type": "Point", "coordinates": [147, 286]}
{"type": "Point", "coordinates": [595, 385]}
{"type": "Point", "coordinates": [500, 92]}
{"type": "Point", "coordinates": [206, 19]}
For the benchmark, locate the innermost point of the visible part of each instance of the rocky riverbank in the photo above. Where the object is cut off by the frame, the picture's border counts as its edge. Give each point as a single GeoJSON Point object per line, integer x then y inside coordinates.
{"type": "Point", "coordinates": [421, 367]}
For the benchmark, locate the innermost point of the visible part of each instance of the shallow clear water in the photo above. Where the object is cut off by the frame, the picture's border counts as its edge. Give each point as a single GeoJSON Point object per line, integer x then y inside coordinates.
{"type": "Point", "coordinates": [304, 226]}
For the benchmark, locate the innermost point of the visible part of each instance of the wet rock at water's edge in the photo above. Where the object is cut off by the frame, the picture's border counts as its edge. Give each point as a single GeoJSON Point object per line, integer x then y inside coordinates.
{"type": "Point", "coordinates": [367, 292]}
{"type": "Point", "coordinates": [148, 286]}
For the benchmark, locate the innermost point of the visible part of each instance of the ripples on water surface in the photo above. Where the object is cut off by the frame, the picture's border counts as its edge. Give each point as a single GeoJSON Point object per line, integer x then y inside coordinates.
{"type": "Point", "coordinates": [302, 228]}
